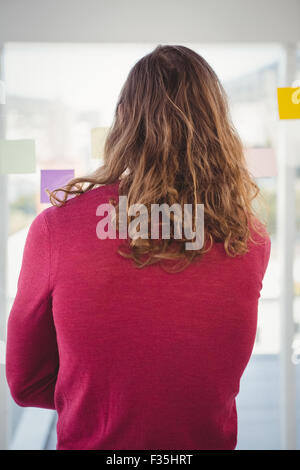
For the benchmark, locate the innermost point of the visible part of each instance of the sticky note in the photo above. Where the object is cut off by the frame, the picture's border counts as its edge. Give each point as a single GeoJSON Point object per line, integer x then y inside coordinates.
{"type": "Point", "coordinates": [261, 162]}
{"type": "Point", "coordinates": [54, 179]}
{"type": "Point", "coordinates": [98, 137]}
{"type": "Point", "coordinates": [17, 156]}
{"type": "Point", "coordinates": [2, 92]}
{"type": "Point", "coordinates": [288, 103]}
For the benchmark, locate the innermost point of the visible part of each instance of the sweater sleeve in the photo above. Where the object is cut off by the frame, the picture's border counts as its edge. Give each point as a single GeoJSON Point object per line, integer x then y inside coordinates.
{"type": "Point", "coordinates": [31, 352]}
{"type": "Point", "coordinates": [267, 253]}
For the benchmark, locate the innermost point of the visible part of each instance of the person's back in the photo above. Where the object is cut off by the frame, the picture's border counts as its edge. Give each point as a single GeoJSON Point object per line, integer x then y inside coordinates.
{"type": "Point", "coordinates": [131, 358]}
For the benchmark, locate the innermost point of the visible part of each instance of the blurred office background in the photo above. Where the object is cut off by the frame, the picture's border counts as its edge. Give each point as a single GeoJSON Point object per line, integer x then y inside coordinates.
{"type": "Point", "coordinates": [63, 71]}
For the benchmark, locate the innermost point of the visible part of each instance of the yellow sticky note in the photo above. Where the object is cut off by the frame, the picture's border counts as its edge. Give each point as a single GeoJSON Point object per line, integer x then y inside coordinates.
{"type": "Point", "coordinates": [98, 137]}
{"type": "Point", "coordinates": [288, 103]}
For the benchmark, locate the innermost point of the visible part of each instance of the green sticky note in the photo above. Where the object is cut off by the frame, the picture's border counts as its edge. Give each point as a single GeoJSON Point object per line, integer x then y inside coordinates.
{"type": "Point", "coordinates": [17, 156]}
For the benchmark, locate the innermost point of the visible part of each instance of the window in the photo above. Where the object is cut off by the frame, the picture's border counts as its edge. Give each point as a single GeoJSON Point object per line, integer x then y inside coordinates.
{"type": "Point", "coordinates": [57, 93]}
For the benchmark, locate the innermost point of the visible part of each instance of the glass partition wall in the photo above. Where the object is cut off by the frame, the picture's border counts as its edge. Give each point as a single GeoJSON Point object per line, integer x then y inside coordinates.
{"type": "Point", "coordinates": [55, 94]}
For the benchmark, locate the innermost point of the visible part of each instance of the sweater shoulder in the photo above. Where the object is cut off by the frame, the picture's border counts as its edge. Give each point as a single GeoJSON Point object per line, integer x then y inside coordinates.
{"type": "Point", "coordinates": [80, 204]}
{"type": "Point", "coordinates": [259, 233]}
{"type": "Point", "coordinates": [260, 242]}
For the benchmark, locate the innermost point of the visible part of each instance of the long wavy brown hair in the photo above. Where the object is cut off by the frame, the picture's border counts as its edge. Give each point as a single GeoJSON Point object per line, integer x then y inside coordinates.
{"type": "Point", "coordinates": [172, 141]}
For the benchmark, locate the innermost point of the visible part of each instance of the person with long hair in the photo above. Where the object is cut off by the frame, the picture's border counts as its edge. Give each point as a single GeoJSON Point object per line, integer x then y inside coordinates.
{"type": "Point", "coordinates": [139, 342]}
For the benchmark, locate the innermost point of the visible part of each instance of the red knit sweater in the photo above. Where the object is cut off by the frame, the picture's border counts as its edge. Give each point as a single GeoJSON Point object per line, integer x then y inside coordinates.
{"type": "Point", "coordinates": [130, 358]}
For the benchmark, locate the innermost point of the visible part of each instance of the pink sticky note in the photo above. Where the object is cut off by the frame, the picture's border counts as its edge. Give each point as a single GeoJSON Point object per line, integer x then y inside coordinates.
{"type": "Point", "coordinates": [261, 162]}
{"type": "Point", "coordinates": [54, 179]}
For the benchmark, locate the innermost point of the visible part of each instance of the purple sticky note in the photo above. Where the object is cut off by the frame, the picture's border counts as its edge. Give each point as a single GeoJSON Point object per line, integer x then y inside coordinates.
{"type": "Point", "coordinates": [54, 179]}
